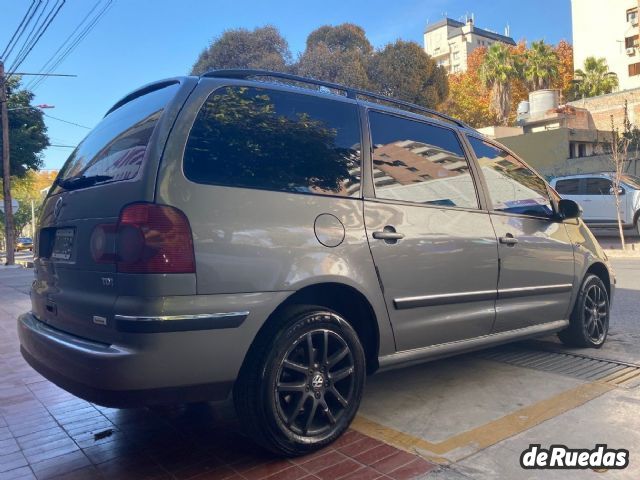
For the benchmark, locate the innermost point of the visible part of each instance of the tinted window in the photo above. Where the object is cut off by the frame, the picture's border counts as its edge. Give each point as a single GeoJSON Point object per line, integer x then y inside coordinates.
{"type": "Point", "coordinates": [418, 162]}
{"type": "Point", "coordinates": [598, 186]}
{"type": "Point", "coordinates": [568, 187]}
{"type": "Point", "coordinates": [116, 146]}
{"type": "Point", "coordinates": [513, 186]}
{"type": "Point", "coordinates": [261, 138]}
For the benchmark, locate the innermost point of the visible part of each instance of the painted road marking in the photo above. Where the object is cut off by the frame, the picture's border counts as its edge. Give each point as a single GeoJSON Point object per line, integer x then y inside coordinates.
{"type": "Point", "coordinates": [490, 433]}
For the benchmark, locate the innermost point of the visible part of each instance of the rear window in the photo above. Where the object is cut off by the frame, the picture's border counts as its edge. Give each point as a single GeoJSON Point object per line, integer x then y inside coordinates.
{"type": "Point", "coordinates": [568, 187]}
{"type": "Point", "coordinates": [275, 140]}
{"type": "Point", "coordinates": [115, 148]}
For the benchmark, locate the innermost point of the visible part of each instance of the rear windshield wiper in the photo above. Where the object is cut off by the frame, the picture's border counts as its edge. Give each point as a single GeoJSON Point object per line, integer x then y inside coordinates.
{"type": "Point", "coordinates": [83, 181]}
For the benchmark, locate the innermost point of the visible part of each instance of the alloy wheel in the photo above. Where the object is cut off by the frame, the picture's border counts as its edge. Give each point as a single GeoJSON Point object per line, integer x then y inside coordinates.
{"type": "Point", "coordinates": [315, 383]}
{"type": "Point", "coordinates": [596, 313]}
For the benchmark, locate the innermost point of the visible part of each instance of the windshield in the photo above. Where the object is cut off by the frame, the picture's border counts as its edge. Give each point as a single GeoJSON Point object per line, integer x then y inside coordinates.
{"type": "Point", "coordinates": [115, 148]}
{"type": "Point", "coordinates": [632, 181]}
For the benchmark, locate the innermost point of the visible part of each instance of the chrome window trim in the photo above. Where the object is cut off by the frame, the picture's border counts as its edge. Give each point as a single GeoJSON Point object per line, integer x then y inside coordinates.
{"type": "Point", "coordinates": [179, 323]}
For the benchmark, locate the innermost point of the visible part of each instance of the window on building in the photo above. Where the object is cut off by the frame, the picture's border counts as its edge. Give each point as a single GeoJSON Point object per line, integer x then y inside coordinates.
{"type": "Point", "coordinates": [634, 69]}
{"type": "Point", "coordinates": [274, 140]}
{"type": "Point", "coordinates": [631, 42]}
{"type": "Point", "coordinates": [410, 153]}
{"type": "Point", "coordinates": [456, 55]}
{"type": "Point", "coordinates": [598, 186]}
{"type": "Point", "coordinates": [632, 16]}
{"type": "Point", "coordinates": [582, 150]}
{"type": "Point", "coordinates": [514, 187]}
{"type": "Point", "coordinates": [456, 68]}
{"type": "Point", "coordinates": [570, 186]}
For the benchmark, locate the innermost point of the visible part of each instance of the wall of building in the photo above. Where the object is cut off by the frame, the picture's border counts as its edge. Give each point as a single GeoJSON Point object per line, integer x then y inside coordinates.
{"type": "Point", "coordinates": [600, 29]}
{"type": "Point", "coordinates": [603, 107]}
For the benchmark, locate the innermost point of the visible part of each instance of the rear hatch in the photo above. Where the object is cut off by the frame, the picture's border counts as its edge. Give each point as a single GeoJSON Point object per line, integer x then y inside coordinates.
{"type": "Point", "coordinates": [115, 165]}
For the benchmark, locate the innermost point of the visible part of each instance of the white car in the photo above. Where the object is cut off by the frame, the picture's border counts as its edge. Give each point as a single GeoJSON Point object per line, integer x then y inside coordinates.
{"type": "Point", "coordinates": [594, 193]}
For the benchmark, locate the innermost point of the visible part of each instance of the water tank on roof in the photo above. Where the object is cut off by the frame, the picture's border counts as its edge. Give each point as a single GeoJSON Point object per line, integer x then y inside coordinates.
{"type": "Point", "coordinates": [542, 101]}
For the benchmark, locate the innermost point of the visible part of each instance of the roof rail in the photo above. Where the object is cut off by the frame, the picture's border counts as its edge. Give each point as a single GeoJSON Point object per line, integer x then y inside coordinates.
{"type": "Point", "coordinates": [349, 91]}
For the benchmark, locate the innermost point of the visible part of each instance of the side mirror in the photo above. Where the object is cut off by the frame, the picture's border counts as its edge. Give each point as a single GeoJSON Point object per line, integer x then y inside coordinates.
{"type": "Point", "coordinates": [569, 209]}
{"type": "Point", "coordinates": [620, 191]}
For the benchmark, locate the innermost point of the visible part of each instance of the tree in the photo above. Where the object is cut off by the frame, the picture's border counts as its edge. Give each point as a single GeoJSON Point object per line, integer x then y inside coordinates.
{"type": "Point", "coordinates": [595, 79]}
{"type": "Point", "coordinates": [27, 131]}
{"type": "Point", "coordinates": [261, 48]}
{"type": "Point", "coordinates": [469, 100]}
{"type": "Point", "coordinates": [541, 65]}
{"type": "Point", "coordinates": [404, 71]}
{"type": "Point", "coordinates": [619, 155]}
{"type": "Point", "coordinates": [499, 68]}
{"type": "Point", "coordinates": [564, 79]}
{"type": "Point", "coordinates": [337, 54]}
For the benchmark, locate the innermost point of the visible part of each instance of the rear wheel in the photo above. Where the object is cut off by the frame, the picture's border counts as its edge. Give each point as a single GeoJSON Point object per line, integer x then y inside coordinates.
{"type": "Point", "coordinates": [302, 382]}
{"type": "Point", "coordinates": [589, 322]}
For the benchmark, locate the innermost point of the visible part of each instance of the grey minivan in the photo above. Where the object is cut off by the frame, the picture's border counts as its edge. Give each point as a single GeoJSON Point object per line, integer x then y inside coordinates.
{"type": "Point", "coordinates": [276, 239]}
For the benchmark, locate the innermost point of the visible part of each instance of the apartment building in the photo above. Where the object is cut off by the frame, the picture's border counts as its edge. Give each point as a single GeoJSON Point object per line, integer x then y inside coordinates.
{"type": "Point", "coordinates": [608, 29]}
{"type": "Point", "coordinates": [450, 42]}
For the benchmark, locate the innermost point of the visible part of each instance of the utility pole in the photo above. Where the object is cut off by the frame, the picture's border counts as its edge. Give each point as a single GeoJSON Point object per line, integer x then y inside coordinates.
{"type": "Point", "coordinates": [6, 170]}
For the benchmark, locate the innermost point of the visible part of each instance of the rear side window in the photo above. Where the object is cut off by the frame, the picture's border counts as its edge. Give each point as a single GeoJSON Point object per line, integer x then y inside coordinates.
{"type": "Point", "coordinates": [419, 162]}
{"type": "Point", "coordinates": [568, 187]}
{"type": "Point", "coordinates": [115, 148]}
{"type": "Point", "coordinates": [598, 186]}
{"type": "Point", "coordinates": [274, 140]}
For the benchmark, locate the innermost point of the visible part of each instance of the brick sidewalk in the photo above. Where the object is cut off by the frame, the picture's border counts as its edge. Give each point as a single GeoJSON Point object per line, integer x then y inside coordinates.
{"type": "Point", "coordinates": [47, 433]}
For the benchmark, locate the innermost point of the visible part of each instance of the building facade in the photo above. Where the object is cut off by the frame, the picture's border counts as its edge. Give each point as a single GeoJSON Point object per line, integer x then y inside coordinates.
{"type": "Point", "coordinates": [608, 29]}
{"type": "Point", "coordinates": [450, 42]}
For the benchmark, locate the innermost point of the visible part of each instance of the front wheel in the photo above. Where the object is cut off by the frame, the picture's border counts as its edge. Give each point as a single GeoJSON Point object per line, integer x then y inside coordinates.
{"type": "Point", "coordinates": [302, 382]}
{"type": "Point", "coordinates": [589, 322]}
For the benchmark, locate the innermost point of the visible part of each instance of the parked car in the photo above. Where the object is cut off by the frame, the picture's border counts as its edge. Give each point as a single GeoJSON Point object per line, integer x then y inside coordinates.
{"type": "Point", "coordinates": [234, 235]}
{"type": "Point", "coordinates": [24, 243]}
{"type": "Point", "coordinates": [594, 193]}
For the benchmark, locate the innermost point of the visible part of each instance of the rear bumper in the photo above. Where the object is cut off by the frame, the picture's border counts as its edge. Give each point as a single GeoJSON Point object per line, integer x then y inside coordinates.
{"type": "Point", "coordinates": [147, 366]}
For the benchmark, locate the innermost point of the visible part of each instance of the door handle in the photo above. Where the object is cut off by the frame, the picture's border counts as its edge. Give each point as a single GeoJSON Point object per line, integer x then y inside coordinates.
{"type": "Point", "coordinates": [389, 235]}
{"type": "Point", "coordinates": [508, 239]}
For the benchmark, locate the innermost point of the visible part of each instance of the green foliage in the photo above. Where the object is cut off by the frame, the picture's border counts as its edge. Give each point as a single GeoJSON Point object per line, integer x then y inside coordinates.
{"type": "Point", "coordinates": [499, 68]}
{"type": "Point", "coordinates": [541, 65]}
{"type": "Point", "coordinates": [595, 79]}
{"type": "Point", "coordinates": [262, 48]}
{"type": "Point", "coordinates": [27, 131]}
{"type": "Point", "coordinates": [404, 71]}
{"type": "Point", "coordinates": [340, 38]}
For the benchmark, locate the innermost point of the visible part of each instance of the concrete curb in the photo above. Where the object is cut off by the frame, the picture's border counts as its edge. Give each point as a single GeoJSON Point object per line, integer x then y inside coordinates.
{"type": "Point", "coordinates": [617, 253]}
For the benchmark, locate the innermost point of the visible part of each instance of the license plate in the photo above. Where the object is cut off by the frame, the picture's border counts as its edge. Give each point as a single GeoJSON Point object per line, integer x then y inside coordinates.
{"type": "Point", "coordinates": [63, 244]}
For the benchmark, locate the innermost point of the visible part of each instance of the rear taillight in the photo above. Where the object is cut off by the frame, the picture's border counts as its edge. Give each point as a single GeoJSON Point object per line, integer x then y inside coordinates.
{"type": "Point", "coordinates": [148, 238]}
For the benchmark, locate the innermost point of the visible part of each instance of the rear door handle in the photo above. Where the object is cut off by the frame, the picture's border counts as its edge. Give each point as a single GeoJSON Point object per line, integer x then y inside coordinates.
{"type": "Point", "coordinates": [389, 235]}
{"type": "Point", "coordinates": [508, 239]}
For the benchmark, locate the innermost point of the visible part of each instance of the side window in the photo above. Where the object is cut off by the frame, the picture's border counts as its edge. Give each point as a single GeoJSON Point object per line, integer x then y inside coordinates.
{"type": "Point", "coordinates": [570, 186]}
{"type": "Point", "coordinates": [513, 187]}
{"type": "Point", "coordinates": [598, 186]}
{"type": "Point", "coordinates": [418, 162]}
{"type": "Point", "coordinates": [274, 140]}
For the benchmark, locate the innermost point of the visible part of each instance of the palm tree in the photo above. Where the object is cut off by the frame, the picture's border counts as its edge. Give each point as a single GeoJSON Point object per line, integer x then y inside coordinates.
{"type": "Point", "coordinates": [595, 79]}
{"type": "Point", "coordinates": [541, 65]}
{"type": "Point", "coordinates": [499, 68]}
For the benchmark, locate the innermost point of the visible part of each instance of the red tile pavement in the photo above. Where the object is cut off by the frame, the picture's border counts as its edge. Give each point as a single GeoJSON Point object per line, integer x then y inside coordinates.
{"type": "Point", "coordinates": [47, 433]}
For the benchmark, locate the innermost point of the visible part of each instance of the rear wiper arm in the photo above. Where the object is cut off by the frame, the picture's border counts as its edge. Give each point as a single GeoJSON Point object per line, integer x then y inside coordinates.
{"type": "Point", "coordinates": [83, 181]}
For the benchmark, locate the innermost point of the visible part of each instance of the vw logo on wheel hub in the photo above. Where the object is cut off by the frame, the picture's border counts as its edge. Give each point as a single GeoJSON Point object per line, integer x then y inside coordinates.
{"type": "Point", "coordinates": [317, 382]}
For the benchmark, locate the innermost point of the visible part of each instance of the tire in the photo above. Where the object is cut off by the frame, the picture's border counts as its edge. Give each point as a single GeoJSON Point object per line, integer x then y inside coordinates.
{"type": "Point", "coordinates": [589, 322]}
{"type": "Point", "coordinates": [282, 404]}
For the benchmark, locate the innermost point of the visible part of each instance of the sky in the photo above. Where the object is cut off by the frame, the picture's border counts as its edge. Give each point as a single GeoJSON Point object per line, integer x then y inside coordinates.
{"type": "Point", "coordinates": [140, 41]}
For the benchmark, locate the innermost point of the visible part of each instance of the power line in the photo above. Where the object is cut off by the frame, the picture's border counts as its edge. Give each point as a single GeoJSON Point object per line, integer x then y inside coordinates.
{"type": "Point", "coordinates": [52, 58]}
{"type": "Point", "coordinates": [30, 35]}
{"type": "Point", "coordinates": [49, 19]}
{"type": "Point", "coordinates": [13, 37]}
{"type": "Point", "coordinates": [65, 121]}
{"type": "Point", "coordinates": [55, 62]}
{"type": "Point", "coordinates": [9, 49]}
